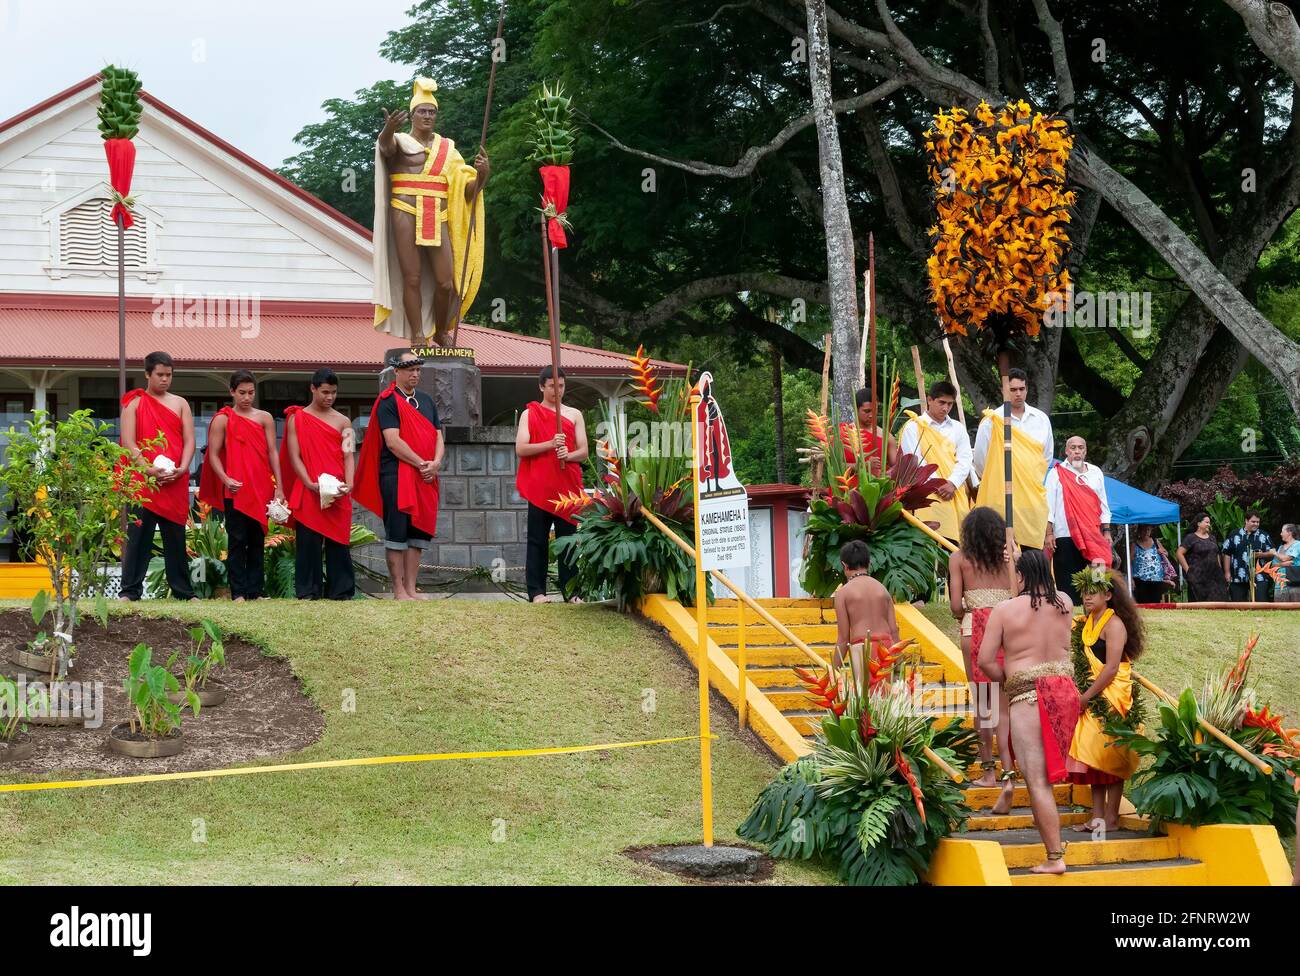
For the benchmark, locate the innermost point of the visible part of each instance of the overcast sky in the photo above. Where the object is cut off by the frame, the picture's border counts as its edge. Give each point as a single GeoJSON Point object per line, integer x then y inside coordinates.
{"type": "Point", "coordinates": [252, 71]}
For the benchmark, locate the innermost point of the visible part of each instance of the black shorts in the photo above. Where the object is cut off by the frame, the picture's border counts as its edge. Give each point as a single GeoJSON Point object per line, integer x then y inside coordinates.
{"type": "Point", "coordinates": [399, 533]}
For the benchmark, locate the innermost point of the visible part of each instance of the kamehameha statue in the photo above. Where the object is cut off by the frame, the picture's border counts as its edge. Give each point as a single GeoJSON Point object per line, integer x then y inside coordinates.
{"type": "Point", "coordinates": [424, 196]}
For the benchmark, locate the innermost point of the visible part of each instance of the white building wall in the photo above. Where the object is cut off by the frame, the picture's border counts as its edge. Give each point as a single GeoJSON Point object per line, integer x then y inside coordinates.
{"type": "Point", "coordinates": [224, 227]}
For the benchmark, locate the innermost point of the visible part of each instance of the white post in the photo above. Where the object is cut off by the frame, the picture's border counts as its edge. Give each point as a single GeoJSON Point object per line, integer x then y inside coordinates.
{"type": "Point", "coordinates": [1180, 545]}
{"type": "Point", "coordinates": [1128, 557]}
{"type": "Point", "coordinates": [38, 397]}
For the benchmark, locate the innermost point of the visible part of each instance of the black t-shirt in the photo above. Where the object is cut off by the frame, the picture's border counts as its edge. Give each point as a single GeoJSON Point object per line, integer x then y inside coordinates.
{"type": "Point", "coordinates": [387, 417]}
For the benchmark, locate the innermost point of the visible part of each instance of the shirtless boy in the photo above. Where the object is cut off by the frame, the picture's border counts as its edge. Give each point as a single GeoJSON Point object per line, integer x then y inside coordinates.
{"type": "Point", "coordinates": [1033, 630]}
{"type": "Point", "coordinates": [863, 607]}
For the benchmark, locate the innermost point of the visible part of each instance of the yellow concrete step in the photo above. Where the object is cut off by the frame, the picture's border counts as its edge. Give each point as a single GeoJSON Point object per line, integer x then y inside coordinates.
{"type": "Point", "coordinates": [788, 616]}
{"type": "Point", "coordinates": [792, 697]}
{"type": "Point", "coordinates": [775, 603]}
{"type": "Point", "coordinates": [983, 797]}
{"type": "Point", "coordinates": [1172, 873]}
{"type": "Point", "coordinates": [1020, 818]}
{"type": "Point", "coordinates": [724, 634]}
{"type": "Point", "coordinates": [808, 722]}
{"type": "Point", "coordinates": [1023, 848]}
{"type": "Point", "coordinates": [783, 676]}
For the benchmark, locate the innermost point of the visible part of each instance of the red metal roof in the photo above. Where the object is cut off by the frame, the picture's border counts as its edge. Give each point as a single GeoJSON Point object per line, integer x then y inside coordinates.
{"type": "Point", "coordinates": [61, 331]}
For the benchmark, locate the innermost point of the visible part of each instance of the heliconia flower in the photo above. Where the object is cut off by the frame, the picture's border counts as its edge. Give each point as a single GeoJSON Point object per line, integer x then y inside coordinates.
{"type": "Point", "coordinates": [821, 685]}
{"type": "Point", "coordinates": [905, 770]}
{"type": "Point", "coordinates": [838, 708]}
{"type": "Point", "coordinates": [1263, 720]}
{"type": "Point", "coordinates": [846, 482]}
{"type": "Point", "coordinates": [895, 396]}
{"type": "Point", "coordinates": [645, 380]}
{"type": "Point", "coordinates": [816, 424]}
{"type": "Point", "coordinates": [613, 467]}
{"type": "Point", "coordinates": [571, 501]}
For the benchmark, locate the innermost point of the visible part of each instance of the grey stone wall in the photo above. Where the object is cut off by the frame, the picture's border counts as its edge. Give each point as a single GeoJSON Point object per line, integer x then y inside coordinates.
{"type": "Point", "coordinates": [481, 517]}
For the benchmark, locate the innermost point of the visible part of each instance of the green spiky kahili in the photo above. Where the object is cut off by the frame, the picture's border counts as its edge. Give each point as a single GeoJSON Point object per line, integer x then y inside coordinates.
{"type": "Point", "coordinates": [120, 107]}
{"type": "Point", "coordinates": [553, 127]}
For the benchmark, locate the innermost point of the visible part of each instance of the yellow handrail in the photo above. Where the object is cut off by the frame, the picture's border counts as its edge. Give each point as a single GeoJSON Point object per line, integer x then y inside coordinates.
{"type": "Point", "coordinates": [780, 628]}
{"type": "Point", "coordinates": [1227, 740]}
{"type": "Point", "coordinates": [945, 543]}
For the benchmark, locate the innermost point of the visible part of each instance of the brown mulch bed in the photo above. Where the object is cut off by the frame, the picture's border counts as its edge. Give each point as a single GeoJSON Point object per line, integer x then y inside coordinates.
{"type": "Point", "coordinates": [265, 714]}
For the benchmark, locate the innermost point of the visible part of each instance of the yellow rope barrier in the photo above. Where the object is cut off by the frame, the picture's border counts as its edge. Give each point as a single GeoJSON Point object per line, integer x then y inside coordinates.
{"type": "Point", "coordinates": [74, 784]}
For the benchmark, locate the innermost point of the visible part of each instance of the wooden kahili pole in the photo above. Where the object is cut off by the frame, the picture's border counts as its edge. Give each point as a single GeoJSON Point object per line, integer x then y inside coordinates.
{"type": "Point", "coordinates": [478, 185]}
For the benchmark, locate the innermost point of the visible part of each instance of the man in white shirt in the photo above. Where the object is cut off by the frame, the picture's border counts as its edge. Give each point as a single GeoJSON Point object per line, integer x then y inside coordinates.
{"type": "Point", "coordinates": [1032, 451]}
{"type": "Point", "coordinates": [1078, 517]}
{"type": "Point", "coordinates": [935, 437]}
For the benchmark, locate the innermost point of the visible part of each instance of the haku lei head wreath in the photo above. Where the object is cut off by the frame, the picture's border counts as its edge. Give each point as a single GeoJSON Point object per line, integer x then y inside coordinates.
{"type": "Point", "coordinates": [1093, 579]}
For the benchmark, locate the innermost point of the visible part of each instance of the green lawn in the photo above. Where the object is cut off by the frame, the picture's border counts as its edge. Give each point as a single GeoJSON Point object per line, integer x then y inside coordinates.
{"type": "Point", "coordinates": [443, 676]}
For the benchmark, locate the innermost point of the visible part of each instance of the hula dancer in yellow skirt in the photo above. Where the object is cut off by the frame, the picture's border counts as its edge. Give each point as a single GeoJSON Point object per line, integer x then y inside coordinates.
{"type": "Point", "coordinates": [1107, 640]}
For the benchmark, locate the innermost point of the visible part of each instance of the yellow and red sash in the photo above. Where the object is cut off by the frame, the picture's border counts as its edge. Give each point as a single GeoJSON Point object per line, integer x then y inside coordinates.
{"type": "Point", "coordinates": [426, 188]}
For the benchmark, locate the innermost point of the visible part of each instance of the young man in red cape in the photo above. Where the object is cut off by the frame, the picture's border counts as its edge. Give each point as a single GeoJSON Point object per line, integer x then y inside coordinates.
{"type": "Point", "coordinates": [318, 441]}
{"type": "Point", "coordinates": [158, 424]}
{"type": "Point", "coordinates": [549, 468]}
{"type": "Point", "coordinates": [1033, 630]}
{"type": "Point", "coordinates": [241, 474]}
{"type": "Point", "coordinates": [397, 476]}
{"type": "Point", "coordinates": [1078, 517]}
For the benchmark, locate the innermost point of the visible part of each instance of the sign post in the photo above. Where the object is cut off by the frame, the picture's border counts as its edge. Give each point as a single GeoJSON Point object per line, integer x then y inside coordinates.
{"type": "Point", "coordinates": [721, 542]}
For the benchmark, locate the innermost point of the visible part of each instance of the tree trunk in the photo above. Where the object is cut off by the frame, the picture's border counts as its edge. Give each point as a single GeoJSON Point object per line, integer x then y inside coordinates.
{"type": "Point", "coordinates": [1278, 354]}
{"type": "Point", "coordinates": [840, 259]}
{"type": "Point", "coordinates": [1223, 358]}
{"type": "Point", "coordinates": [778, 413]}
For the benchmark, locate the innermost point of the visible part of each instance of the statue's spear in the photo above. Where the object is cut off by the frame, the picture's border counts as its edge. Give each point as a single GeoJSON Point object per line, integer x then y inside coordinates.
{"type": "Point", "coordinates": [478, 184]}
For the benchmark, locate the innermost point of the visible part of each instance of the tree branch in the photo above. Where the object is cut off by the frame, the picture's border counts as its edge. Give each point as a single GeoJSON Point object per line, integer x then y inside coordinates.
{"type": "Point", "coordinates": [1060, 63]}
{"type": "Point", "coordinates": [754, 154]}
{"type": "Point", "coordinates": [1273, 28]}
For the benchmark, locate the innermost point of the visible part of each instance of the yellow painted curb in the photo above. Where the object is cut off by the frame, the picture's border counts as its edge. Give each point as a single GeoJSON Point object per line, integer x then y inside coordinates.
{"type": "Point", "coordinates": [1235, 854]}
{"type": "Point", "coordinates": [958, 862]}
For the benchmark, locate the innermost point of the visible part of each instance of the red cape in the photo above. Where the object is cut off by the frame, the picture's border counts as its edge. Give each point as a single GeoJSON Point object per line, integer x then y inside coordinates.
{"type": "Point", "coordinates": [1083, 513]}
{"type": "Point", "coordinates": [171, 501]}
{"type": "Point", "coordinates": [321, 448]}
{"type": "Point", "coordinates": [415, 496]}
{"type": "Point", "coordinates": [246, 459]}
{"type": "Point", "coordinates": [542, 477]}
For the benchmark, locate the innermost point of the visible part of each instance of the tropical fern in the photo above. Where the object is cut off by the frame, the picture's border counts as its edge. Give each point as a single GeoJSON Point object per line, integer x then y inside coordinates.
{"type": "Point", "coordinates": [873, 825]}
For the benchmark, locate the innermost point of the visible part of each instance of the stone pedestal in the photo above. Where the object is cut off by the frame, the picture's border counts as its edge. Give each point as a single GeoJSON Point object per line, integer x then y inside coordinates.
{"type": "Point", "coordinates": [452, 379]}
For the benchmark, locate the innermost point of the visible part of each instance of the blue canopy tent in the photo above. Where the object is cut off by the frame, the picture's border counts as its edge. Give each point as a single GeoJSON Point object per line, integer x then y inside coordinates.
{"type": "Point", "coordinates": [1131, 506]}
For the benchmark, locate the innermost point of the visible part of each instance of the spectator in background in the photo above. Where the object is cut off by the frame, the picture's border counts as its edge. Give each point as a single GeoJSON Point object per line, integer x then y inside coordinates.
{"type": "Point", "coordinates": [1199, 557]}
{"type": "Point", "coordinates": [1241, 554]}
{"type": "Point", "coordinates": [1148, 567]}
{"type": "Point", "coordinates": [1287, 557]}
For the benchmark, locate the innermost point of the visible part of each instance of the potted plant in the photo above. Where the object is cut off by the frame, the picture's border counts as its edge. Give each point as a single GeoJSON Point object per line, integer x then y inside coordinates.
{"type": "Point", "coordinates": [1192, 778]}
{"type": "Point", "coordinates": [617, 552]}
{"type": "Point", "coordinates": [15, 743]}
{"type": "Point", "coordinates": [200, 662]}
{"type": "Point", "coordinates": [68, 481]}
{"type": "Point", "coordinates": [154, 728]}
{"type": "Point", "coordinates": [870, 800]}
{"type": "Point", "coordinates": [863, 503]}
